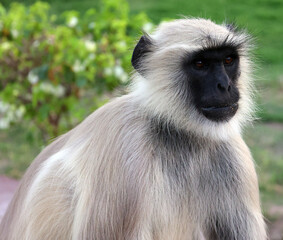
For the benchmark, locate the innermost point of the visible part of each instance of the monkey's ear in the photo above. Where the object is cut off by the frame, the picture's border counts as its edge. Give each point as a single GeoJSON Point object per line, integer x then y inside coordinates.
{"type": "Point", "coordinates": [141, 49]}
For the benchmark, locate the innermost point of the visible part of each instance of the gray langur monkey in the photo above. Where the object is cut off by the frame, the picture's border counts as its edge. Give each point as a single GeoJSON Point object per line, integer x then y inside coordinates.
{"type": "Point", "coordinates": [165, 162]}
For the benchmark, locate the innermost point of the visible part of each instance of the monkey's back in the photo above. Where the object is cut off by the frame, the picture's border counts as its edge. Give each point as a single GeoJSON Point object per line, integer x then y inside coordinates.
{"type": "Point", "coordinates": [71, 174]}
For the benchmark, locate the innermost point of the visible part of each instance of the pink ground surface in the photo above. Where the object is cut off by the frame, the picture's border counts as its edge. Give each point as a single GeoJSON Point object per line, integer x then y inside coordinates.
{"type": "Point", "coordinates": [7, 188]}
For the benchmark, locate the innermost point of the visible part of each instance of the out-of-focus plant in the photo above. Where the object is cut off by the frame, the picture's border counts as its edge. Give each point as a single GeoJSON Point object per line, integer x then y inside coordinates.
{"type": "Point", "coordinates": [48, 62]}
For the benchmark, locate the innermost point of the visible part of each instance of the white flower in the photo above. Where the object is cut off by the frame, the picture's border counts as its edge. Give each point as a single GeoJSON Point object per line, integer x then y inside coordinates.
{"type": "Point", "coordinates": [9, 113]}
{"type": "Point", "coordinates": [122, 44]}
{"type": "Point", "coordinates": [120, 73]}
{"type": "Point", "coordinates": [10, 116]}
{"type": "Point", "coordinates": [90, 45]}
{"type": "Point", "coordinates": [108, 71]}
{"type": "Point", "coordinates": [78, 66]}
{"type": "Point", "coordinates": [32, 77]}
{"type": "Point", "coordinates": [73, 22]}
{"type": "Point", "coordinates": [6, 46]}
{"type": "Point", "coordinates": [20, 112]}
{"type": "Point", "coordinates": [36, 43]}
{"type": "Point", "coordinates": [91, 56]}
{"type": "Point", "coordinates": [4, 123]}
{"type": "Point", "coordinates": [15, 33]}
{"type": "Point", "coordinates": [124, 77]}
{"type": "Point", "coordinates": [91, 25]}
{"type": "Point", "coordinates": [57, 91]}
{"type": "Point", "coordinates": [3, 107]}
{"type": "Point", "coordinates": [148, 27]}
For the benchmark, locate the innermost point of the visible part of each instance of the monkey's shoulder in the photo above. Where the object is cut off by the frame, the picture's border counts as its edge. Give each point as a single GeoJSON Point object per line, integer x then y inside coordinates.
{"type": "Point", "coordinates": [184, 149]}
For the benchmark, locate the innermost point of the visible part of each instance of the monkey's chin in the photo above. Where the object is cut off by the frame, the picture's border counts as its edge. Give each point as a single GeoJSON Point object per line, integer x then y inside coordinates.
{"type": "Point", "coordinates": [220, 114]}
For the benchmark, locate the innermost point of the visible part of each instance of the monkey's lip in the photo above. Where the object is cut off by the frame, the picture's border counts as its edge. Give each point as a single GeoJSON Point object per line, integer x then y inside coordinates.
{"type": "Point", "coordinates": [223, 107]}
{"type": "Point", "coordinates": [221, 112]}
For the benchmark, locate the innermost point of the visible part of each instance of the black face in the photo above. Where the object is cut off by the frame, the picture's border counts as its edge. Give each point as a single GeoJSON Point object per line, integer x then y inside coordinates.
{"type": "Point", "coordinates": [213, 75]}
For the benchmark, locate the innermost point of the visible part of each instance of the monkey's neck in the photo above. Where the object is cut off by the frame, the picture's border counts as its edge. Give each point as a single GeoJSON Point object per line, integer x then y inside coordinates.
{"type": "Point", "coordinates": [168, 133]}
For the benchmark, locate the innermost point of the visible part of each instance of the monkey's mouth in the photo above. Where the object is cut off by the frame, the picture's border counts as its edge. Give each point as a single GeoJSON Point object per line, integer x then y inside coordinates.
{"type": "Point", "coordinates": [220, 112]}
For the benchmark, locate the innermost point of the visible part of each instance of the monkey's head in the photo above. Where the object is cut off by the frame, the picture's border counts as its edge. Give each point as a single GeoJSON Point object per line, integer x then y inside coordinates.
{"type": "Point", "coordinates": [196, 75]}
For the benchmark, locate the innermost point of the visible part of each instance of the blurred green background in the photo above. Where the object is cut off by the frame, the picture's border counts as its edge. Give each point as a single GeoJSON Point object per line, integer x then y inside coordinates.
{"type": "Point", "coordinates": [39, 45]}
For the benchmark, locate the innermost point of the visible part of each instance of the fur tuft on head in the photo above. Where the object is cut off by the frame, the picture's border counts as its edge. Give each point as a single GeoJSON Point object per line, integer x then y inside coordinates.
{"type": "Point", "coordinates": [159, 82]}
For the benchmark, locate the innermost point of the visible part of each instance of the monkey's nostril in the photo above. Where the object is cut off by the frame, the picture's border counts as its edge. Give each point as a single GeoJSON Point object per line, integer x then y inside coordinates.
{"type": "Point", "coordinates": [223, 87]}
{"type": "Point", "coordinates": [220, 86]}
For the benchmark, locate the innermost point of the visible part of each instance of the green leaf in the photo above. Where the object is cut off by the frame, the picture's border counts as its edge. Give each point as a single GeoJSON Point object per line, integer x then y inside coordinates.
{"type": "Point", "coordinates": [43, 111]}
{"type": "Point", "coordinates": [81, 81]}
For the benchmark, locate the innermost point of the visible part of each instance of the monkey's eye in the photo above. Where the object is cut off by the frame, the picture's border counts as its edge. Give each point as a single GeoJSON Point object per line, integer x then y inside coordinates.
{"type": "Point", "coordinates": [228, 60]}
{"type": "Point", "coordinates": [199, 64]}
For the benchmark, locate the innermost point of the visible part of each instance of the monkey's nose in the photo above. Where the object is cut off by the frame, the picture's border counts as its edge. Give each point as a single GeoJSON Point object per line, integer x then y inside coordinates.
{"type": "Point", "coordinates": [223, 87]}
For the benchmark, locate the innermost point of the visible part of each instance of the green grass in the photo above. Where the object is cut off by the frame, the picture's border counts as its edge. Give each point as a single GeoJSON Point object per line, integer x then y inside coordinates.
{"type": "Point", "coordinates": [17, 150]}
{"type": "Point", "coordinates": [270, 92]}
{"type": "Point", "coordinates": [265, 141]}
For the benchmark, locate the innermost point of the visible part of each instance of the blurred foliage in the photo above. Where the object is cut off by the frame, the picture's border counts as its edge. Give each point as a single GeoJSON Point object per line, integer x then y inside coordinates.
{"type": "Point", "coordinates": [48, 62]}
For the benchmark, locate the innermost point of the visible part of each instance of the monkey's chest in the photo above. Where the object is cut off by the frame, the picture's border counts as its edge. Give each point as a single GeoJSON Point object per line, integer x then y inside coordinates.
{"type": "Point", "coordinates": [200, 189]}
{"type": "Point", "coordinates": [197, 168]}
{"type": "Point", "coordinates": [203, 177]}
